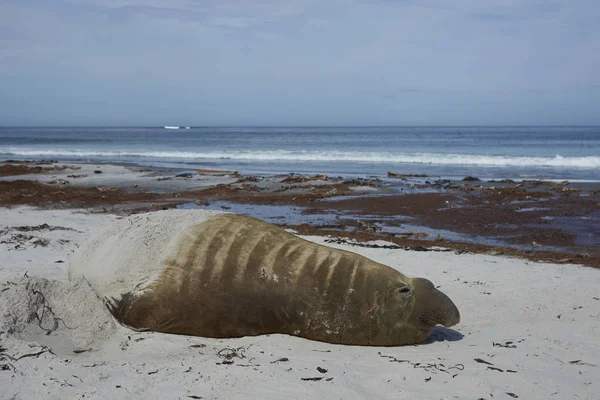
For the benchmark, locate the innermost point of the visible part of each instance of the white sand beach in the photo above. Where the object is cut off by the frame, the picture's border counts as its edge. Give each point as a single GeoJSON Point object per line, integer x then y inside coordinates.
{"type": "Point", "coordinates": [528, 330]}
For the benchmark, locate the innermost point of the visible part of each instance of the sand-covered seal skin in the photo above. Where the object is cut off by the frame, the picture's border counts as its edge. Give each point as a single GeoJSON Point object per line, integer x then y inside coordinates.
{"type": "Point", "coordinates": [225, 275]}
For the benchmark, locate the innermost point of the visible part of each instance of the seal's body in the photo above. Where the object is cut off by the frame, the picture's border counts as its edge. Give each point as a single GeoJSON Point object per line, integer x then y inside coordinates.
{"type": "Point", "coordinates": [226, 275]}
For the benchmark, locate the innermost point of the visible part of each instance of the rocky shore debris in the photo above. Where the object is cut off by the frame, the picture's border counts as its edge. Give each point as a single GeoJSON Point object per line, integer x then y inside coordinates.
{"type": "Point", "coordinates": [43, 312]}
{"type": "Point", "coordinates": [31, 162]}
{"type": "Point", "coordinates": [248, 187]}
{"type": "Point", "coordinates": [363, 182]}
{"type": "Point", "coordinates": [428, 366]}
{"type": "Point", "coordinates": [505, 216]}
{"type": "Point", "coordinates": [250, 178]}
{"type": "Point", "coordinates": [217, 172]}
{"type": "Point", "coordinates": [16, 167]}
{"type": "Point", "coordinates": [20, 241]}
{"type": "Point", "coordinates": [292, 178]}
{"type": "Point", "coordinates": [13, 170]}
{"type": "Point", "coordinates": [506, 344]}
{"type": "Point", "coordinates": [405, 176]}
{"type": "Point", "coordinates": [228, 354]}
{"type": "Point", "coordinates": [366, 226]}
{"type": "Point", "coordinates": [5, 356]}
{"type": "Point", "coordinates": [390, 246]}
{"type": "Point", "coordinates": [42, 227]}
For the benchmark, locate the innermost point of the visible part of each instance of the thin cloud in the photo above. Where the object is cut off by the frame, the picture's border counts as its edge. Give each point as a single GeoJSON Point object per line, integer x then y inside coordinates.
{"type": "Point", "coordinates": [302, 61]}
{"type": "Point", "coordinates": [493, 17]}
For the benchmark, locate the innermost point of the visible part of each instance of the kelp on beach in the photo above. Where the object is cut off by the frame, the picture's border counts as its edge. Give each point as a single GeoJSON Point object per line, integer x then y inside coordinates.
{"type": "Point", "coordinates": [546, 221]}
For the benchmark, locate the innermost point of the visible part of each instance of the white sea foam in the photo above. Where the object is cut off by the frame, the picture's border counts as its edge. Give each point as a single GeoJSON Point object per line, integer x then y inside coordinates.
{"type": "Point", "coordinates": [590, 162]}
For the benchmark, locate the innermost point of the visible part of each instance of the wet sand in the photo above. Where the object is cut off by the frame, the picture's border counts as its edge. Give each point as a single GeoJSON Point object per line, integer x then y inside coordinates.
{"type": "Point", "coordinates": [544, 221]}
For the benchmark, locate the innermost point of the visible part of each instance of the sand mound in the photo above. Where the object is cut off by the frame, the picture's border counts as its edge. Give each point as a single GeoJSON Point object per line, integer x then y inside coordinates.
{"type": "Point", "coordinates": [69, 317]}
{"type": "Point", "coordinates": [65, 316]}
{"type": "Point", "coordinates": [127, 255]}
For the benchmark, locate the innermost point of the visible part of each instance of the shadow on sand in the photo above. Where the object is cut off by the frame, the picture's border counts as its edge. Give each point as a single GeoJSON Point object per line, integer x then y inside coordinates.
{"type": "Point", "coordinates": [441, 334]}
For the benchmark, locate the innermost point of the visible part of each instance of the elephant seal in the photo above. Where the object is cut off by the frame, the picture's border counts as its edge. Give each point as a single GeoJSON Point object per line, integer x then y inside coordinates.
{"type": "Point", "coordinates": [223, 275]}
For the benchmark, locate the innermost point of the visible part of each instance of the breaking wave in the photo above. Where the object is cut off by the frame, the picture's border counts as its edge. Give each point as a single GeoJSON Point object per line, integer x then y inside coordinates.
{"type": "Point", "coordinates": [557, 161]}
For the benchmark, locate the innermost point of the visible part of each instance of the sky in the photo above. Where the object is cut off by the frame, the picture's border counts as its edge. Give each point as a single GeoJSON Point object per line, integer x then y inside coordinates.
{"type": "Point", "coordinates": [299, 62]}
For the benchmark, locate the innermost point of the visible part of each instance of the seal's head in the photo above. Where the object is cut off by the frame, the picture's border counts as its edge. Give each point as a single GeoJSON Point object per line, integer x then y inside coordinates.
{"type": "Point", "coordinates": [423, 307]}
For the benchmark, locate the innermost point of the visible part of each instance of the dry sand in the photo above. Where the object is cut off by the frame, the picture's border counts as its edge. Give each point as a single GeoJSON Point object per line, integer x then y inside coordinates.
{"type": "Point", "coordinates": [57, 340]}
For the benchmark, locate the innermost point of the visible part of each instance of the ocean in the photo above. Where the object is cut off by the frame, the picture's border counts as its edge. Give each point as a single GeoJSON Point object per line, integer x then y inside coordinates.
{"type": "Point", "coordinates": [549, 153]}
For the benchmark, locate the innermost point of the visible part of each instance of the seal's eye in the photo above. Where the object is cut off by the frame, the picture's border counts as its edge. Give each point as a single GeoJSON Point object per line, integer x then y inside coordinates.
{"type": "Point", "coordinates": [404, 290]}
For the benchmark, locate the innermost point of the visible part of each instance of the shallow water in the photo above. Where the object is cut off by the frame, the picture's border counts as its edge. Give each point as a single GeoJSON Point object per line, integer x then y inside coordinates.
{"type": "Point", "coordinates": [397, 224]}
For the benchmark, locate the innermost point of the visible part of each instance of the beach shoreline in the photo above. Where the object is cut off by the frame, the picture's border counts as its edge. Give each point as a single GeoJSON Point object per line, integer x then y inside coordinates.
{"type": "Point", "coordinates": [528, 329]}
{"type": "Point", "coordinates": [536, 220]}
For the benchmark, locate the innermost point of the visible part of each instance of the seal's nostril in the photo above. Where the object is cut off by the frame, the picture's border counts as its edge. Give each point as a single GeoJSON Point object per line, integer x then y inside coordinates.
{"type": "Point", "coordinates": [433, 307]}
{"type": "Point", "coordinates": [451, 314]}
{"type": "Point", "coordinates": [454, 319]}
{"type": "Point", "coordinates": [404, 290]}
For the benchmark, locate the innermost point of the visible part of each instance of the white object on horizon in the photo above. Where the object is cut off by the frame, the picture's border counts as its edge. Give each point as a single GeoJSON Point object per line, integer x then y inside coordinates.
{"type": "Point", "coordinates": [187, 127]}
{"type": "Point", "coordinates": [171, 127]}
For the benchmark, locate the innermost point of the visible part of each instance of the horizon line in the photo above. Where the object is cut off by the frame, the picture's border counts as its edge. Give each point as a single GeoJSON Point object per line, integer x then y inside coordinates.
{"type": "Point", "coordinates": [297, 126]}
